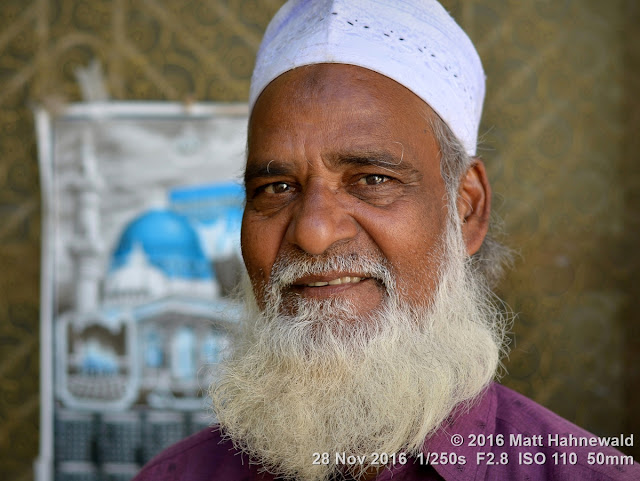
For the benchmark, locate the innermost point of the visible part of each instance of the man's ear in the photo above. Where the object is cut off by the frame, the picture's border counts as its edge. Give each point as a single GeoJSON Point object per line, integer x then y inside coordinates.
{"type": "Point", "coordinates": [474, 205]}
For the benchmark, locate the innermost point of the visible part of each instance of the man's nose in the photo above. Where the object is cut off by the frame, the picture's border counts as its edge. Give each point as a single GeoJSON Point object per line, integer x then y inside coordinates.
{"type": "Point", "coordinates": [321, 219]}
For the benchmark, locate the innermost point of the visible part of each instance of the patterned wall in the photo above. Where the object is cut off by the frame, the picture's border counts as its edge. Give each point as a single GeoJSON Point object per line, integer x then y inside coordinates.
{"type": "Point", "coordinates": [560, 139]}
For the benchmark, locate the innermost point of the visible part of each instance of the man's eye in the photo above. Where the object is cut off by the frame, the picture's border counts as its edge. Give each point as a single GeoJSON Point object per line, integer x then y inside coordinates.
{"type": "Point", "coordinates": [277, 188]}
{"type": "Point", "coordinates": [373, 179]}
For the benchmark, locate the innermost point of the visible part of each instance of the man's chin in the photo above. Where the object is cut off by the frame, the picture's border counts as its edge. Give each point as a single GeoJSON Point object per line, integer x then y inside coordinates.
{"type": "Point", "coordinates": [312, 387]}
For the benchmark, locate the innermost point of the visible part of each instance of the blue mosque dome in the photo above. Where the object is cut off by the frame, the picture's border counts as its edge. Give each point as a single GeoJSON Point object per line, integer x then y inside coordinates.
{"type": "Point", "coordinates": [169, 242]}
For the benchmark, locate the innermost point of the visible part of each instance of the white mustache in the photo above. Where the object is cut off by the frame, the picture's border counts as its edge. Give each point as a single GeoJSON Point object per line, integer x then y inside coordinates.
{"type": "Point", "coordinates": [290, 267]}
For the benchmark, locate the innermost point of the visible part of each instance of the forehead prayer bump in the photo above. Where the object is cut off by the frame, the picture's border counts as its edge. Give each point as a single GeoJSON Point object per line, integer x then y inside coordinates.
{"type": "Point", "coordinates": [414, 42]}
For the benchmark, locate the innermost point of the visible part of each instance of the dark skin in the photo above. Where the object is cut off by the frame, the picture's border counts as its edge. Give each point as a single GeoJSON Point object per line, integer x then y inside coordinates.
{"type": "Point", "coordinates": [342, 160]}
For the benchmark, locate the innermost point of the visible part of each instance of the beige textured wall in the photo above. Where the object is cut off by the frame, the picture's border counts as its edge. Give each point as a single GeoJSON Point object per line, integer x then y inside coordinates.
{"type": "Point", "coordinates": [561, 142]}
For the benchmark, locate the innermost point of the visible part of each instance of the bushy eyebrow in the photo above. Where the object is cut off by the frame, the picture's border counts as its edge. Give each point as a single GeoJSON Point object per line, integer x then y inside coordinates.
{"type": "Point", "coordinates": [378, 158]}
{"type": "Point", "coordinates": [364, 158]}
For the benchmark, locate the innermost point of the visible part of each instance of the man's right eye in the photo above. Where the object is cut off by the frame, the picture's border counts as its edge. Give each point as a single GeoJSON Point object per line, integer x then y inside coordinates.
{"type": "Point", "coordinates": [277, 188]}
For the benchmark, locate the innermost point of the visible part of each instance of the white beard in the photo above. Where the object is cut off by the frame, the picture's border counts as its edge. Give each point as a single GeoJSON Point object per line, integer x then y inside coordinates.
{"type": "Point", "coordinates": [324, 381]}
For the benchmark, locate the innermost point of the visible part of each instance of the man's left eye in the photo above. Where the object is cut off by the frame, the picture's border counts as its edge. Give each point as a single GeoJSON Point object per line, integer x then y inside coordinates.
{"type": "Point", "coordinates": [373, 179]}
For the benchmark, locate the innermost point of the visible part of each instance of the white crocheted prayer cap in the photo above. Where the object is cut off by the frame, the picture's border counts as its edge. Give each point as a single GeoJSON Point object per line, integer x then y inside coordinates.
{"type": "Point", "coordinates": [414, 42]}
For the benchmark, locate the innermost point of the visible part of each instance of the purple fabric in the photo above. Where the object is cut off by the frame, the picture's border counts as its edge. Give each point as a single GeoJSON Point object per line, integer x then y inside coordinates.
{"type": "Point", "coordinates": [514, 430]}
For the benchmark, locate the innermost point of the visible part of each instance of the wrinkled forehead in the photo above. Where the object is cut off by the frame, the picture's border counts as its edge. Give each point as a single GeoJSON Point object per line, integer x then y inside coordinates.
{"type": "Point", "coordinates": [342, 114]}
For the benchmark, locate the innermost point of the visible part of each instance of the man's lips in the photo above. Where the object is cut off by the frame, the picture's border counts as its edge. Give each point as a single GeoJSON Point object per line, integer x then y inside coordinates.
{"type": "Point", "coordinates": [359, 287]}
{"type": "Point", "coordinates": [339, 284]}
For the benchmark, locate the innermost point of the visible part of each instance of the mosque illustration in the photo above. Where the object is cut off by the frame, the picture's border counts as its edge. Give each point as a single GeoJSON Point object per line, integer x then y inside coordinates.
{"type": "Point", "coordinates": [150, 328]}
{"type": "Point", "coordinates": [140, 256]}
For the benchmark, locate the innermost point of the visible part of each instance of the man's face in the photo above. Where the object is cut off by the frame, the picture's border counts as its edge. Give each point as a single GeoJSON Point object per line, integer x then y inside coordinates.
{"type": "Point", "coordinates": [360, 274]}
{"type": "Point", "coordinates": [342, 162]}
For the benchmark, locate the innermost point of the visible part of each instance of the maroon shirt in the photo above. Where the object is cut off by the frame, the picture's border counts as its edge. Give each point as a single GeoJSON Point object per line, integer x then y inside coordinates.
{"type": "Point", "coordinates": [504, 436]}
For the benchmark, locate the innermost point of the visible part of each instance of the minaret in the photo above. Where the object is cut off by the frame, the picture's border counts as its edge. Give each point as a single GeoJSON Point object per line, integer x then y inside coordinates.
{"type": "Point", "coordinates": [86, 244]}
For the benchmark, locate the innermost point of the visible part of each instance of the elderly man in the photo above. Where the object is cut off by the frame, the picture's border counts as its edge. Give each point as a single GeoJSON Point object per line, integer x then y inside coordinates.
{"type": "Point", "coordinates": [371, 337]}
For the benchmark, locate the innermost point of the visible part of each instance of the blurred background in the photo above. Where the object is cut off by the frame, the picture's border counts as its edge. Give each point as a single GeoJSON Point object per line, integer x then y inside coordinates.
{"type": "Point", "coordinates": [560, 139]}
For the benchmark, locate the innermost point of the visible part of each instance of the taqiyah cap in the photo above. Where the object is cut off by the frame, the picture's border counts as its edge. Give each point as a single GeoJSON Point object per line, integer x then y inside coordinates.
{"type": "Point", "coordinates": [414, 42]}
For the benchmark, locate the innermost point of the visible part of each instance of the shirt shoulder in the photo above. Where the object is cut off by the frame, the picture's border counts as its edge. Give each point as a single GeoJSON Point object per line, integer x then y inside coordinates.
{"type": "Point", "coordinates": [516, 411]}
{"type": "Point", "coordinates": [204, 456]}
{"type": "Point", "coordinates": [543, 445]}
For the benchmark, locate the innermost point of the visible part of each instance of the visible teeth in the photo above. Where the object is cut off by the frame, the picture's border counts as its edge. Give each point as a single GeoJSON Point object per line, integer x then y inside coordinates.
{"type": "Point", "coordinates": [341, 280]}
{"type": "Point", "coordinates": [336, 282]}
